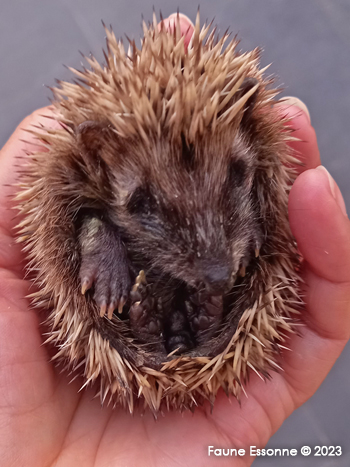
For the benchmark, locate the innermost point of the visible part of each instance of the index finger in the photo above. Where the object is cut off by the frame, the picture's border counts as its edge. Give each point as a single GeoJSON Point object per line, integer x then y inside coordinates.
{"type": "Point", "coordinates": [306, 149]}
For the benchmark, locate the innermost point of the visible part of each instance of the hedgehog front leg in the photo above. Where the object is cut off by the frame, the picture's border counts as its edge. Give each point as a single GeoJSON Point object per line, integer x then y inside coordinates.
{"type": "Point", "coordinates": [104, 265]}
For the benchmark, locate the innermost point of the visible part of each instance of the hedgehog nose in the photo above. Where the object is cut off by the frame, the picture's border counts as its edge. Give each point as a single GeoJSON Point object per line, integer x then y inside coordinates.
{"type": "Point", "coordinates": [218, 279]}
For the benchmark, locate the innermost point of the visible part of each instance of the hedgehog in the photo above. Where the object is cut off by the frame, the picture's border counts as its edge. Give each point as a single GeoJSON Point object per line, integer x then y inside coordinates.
{"type": "Point", "coordinates": [155, 224]}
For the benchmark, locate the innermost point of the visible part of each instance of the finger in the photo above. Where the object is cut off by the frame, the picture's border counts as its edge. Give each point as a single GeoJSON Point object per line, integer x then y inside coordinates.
{"type": "Point", "coordinates": [322, 230]}
{"type": "Point", "coordinates": [186, 26]}
{"type": "Point", "coordinates": [306, 149]}
{"type": "Point", "coordinates": [12, 160]}
{"type": "Point", "coordinates": [318, 222]}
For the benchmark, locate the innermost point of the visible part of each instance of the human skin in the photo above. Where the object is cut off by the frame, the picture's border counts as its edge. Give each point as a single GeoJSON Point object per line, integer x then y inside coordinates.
{"type": "Point", "coordinates": [44, 421]}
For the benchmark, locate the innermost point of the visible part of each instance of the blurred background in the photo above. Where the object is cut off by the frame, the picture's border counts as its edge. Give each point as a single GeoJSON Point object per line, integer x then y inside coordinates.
{"type": "Point", "coordinates": [308, 43]}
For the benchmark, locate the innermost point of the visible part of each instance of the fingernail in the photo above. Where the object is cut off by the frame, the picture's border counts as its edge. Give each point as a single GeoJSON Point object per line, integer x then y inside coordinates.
{"type": "Point", "coordinates": [290, 100]}
{"type": "Point", "coordinates": [334, 189]}
{"type": "Point", "coordinates": [186, 26]}
{"type": "Point", "coordinates": [182, 17]}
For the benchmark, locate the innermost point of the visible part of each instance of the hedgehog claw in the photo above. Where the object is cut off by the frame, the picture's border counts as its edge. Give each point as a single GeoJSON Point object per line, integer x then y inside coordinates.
{"type": "Point", "coordinates": [140, 279]}
{"type": "Point", "coordinates": [258, 245]}
{"type": "Point", "coordinates": [121, 305]}
{"type": "Point", "coordinates": [110, 311]}
{"type": "Point", "coordinates": [86, 285]}
{"type": "Point", "coordinates": [103, 309]}
{"type": "Point", "coordinates": [242, 271]}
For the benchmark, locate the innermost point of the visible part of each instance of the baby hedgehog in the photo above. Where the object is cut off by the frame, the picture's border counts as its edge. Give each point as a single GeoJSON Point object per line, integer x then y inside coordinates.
{"type": "Point", "coordinates": [155, 221]}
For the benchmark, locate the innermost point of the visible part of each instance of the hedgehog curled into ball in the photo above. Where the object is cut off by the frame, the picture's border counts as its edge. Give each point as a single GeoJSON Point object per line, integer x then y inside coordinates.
{"type": "Point", "coordinates": [155, 221]}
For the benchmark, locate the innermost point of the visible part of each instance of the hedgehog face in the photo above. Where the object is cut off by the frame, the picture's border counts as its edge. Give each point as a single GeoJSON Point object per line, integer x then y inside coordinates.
{"type": "Point", "coordinates": [197, 222]}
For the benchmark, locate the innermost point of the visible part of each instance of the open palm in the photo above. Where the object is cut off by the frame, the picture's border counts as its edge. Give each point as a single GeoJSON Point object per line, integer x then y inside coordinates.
{"type": "Point", "coordinates": [45, 421]}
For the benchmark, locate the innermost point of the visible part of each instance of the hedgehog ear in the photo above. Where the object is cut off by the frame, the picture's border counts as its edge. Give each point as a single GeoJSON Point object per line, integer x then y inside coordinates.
{"type": "Point", "coordinates": [246, 86]}
{"type": "Point", "coordinates": [91, 137]}
{"type": "Point", "coordinates": [88, 135]}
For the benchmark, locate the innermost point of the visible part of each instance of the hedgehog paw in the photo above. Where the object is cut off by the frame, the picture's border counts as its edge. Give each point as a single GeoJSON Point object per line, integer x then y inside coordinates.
{"type": "Point", "coordinates": [104, 265]}
{"type": "Point", "coordinates": [145, 321]}
{"type": "Point", "coordinates": [205, 316]}
{"type": "Point", "coordinates": [178, 337]}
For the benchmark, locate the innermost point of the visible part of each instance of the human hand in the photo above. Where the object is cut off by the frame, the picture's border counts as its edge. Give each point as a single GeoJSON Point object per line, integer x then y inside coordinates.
{"type": "Point", "coordinates": [45, 421]}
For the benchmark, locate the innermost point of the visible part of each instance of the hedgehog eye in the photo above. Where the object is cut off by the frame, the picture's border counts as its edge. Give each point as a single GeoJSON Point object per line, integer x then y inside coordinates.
{"type": "Point", "coordinates": [141, 202]}
{"type": "Point", "coordinates": [237, 172]}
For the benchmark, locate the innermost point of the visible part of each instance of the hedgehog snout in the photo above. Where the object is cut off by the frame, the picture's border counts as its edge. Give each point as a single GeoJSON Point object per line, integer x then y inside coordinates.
{"type": "Point", "coordinates": [218, 279]}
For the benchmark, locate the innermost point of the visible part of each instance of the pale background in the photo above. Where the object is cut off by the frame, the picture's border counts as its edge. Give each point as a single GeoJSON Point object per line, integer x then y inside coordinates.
{"type": "Point", "coordinates": [309, 45]}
